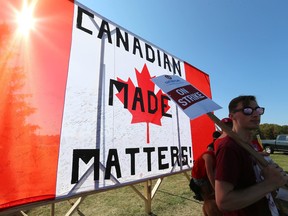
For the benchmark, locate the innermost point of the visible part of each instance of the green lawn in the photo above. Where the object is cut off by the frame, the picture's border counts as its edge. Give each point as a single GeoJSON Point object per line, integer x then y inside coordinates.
{"type": "Point", "coordinates": [281, 159]}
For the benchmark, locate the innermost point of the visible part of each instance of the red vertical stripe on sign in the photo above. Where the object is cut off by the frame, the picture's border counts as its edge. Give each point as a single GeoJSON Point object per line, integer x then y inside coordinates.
{"type": "Point", "coordinates": [35, 40]}
{"type": "Point", "coordinates": [201, 127]}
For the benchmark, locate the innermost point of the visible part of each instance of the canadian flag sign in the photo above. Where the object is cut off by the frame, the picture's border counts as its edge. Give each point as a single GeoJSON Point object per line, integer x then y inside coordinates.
{"type": "Point", "coordinates": [79, 111]}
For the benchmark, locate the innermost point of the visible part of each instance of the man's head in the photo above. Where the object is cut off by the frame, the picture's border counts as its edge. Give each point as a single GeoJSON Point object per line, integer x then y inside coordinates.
{"type": "Point", "coordinates": [245, 112]}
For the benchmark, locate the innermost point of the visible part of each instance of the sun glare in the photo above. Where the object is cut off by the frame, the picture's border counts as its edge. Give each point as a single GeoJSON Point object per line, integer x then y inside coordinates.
{"type": "Point", "coordinates": [25, 19]}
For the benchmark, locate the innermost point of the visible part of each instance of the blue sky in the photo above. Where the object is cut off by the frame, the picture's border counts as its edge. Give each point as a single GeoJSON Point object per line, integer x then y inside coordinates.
{"type": "Point", "coordinates": [241, 44]}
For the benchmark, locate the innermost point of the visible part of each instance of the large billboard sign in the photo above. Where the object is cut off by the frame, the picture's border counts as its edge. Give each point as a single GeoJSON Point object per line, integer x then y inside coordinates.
{"type": "Point", "coordinates": [79, 111]}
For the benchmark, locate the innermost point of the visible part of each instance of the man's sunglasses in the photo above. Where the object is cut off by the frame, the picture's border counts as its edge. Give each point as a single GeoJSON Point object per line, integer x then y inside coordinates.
{"type": "Point", "coordinates": [250, 110]}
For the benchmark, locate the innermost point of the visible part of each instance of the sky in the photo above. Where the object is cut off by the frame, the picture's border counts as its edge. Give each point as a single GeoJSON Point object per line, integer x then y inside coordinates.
{"type": "Point", "coordinates": [241, 44]}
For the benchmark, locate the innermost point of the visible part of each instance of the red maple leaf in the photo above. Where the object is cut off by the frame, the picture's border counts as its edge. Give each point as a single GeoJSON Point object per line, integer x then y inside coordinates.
{"type": "Point", "coordinates": [140, 100]}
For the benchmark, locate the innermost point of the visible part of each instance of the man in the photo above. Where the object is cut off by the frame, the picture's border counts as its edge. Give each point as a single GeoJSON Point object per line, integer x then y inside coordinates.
{"type": "Point", "coordinates": [215, 135]}
{"type": "Point", "coordinates": [203, 176]}
{"type": "Point", "coordinates": [236, 189]}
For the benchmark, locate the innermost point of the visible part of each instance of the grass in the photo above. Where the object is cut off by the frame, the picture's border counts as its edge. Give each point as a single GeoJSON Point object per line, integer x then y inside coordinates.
{"type": "Point", "coordinates": [172, 198]}
{"type": "Point", "coordinates": [281, 159]}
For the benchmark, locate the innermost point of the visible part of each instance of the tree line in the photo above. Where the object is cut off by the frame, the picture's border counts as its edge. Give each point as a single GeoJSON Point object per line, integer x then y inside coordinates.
{"type": "Point", "coordinates": [270, 131]}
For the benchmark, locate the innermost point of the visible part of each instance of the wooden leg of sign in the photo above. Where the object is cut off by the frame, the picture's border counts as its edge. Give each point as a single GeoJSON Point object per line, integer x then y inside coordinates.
{"type": "Point", "coordinates": [148, 195]}
{"type": "Point", "coordinates": [156, 186]}
{"type": "Point", "coordinates": [52, 209]}
{"type": "Point", "coordinates": [187, 176]}
{"type": "Point", "coordinates": [75, 206]}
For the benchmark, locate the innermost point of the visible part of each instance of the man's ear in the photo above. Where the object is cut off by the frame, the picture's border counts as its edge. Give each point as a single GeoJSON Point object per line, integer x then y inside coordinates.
{"type": "Point", "coordinates": [231, 116]}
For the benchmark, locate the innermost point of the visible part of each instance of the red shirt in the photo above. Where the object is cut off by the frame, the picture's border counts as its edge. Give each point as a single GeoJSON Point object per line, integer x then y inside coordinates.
{"type": "Point", "coordinates": [216, 143]}
{"type": "Point", "coordinates": [235, 165]}
{"type": "Point", "coordinates": [199, 169]}
{"type": "Point", "coordinates": [257, 146]}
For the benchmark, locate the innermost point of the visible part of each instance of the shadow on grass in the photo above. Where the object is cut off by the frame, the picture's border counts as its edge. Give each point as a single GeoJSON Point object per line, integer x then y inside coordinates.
{"type": "Point", "coordinates": [280, 153]}
{"type": "Point", "coordinates": [182, 197]}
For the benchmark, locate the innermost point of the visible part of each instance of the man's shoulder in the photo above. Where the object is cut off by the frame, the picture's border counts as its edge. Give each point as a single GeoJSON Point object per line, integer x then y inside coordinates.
{"type": "Point", "coordinates": [225, 141]}
{"type": "Point", "coordinates": [228, 143]}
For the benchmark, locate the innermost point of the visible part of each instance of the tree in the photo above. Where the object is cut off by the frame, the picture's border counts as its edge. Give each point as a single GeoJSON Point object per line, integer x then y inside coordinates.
{"type": "Point", "coordinates": [270, 131]}
{"type": "Point", "coordinates": [17, 135]}
{"type": "Point", "coordinates": [14, 107]}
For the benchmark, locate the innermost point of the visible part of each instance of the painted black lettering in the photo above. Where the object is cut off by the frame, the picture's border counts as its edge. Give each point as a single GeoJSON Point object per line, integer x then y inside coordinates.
{"type": "Point", "coordinates": [119, 38]}
{"type": "Point", "coordinates": [104, 28]}
{"type": "Point", "coordinates": [138, 98]}
{"type": "Point", "coordinates": [176, 66]}
{"type": "Point", "coordinates": [136, 46]}
{"type": "Point", "coordinates": [122, 39]}
{"type": "Point", "coordinates": [119, 86]}
{"type": "Point", "coordinates": [174, 155]}
{"type": "Point", "coordinates": [150, 55]}
{"type": "Point", "coordinates": [149, 150]}
{"type": "Point", "coordinates": [152, 96]}
{"type": "Point", "coordinates": [112, 160]}
{"type": "Point", "coordinates": [85, 155]}
{"type": "Point", "coordinates": [184, 151]}
{"type": "Point", "coordinates": [132, 152]}
{"type": "Point", "coordinates": [161, 157]}
{"type": "Point", "coordinates": [164, 105]}
{"type": "Point", "coordinates": [79, 19]}
{"type": "Point", "coordinates": [159, 58]}
{"type": "Point", "coordinates": [166, 62]}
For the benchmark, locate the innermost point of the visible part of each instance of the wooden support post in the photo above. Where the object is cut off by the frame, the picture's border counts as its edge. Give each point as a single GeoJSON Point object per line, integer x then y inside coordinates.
{"type": "Point", "coordinates": [148, 195]}
{"type": "Point", "coordinates": [21, 213]}
{"type": "Point", "coordinates": [75, 206]}
{"type": "Point", "coordinates": [187, 176]}
{"type": "Point", "coordinates": [52, 213]}
{"type": "Point", "coordinates": [156, 186]}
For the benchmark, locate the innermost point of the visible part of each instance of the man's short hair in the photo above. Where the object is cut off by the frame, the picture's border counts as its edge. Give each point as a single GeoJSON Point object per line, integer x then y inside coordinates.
{"type": "Point", "coordinates": [216, 134]}
{"type": "Point", "coordinates": [244, 99]}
